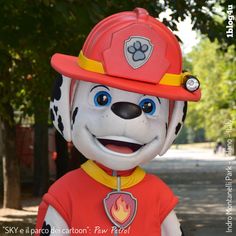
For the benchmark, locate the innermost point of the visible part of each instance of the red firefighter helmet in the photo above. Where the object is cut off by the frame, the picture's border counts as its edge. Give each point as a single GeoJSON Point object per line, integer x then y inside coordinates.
{"type": "Point", "coordinates": [135, 52]}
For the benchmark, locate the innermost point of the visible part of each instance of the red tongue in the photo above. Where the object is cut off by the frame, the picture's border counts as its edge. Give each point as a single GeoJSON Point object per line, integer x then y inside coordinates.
{"type": "Point", "coordinates": [120, 149]}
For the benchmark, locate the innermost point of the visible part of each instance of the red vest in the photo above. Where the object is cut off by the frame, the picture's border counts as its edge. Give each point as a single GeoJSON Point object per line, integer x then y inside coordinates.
{"type": "Point", "coordinates": [79, 200]}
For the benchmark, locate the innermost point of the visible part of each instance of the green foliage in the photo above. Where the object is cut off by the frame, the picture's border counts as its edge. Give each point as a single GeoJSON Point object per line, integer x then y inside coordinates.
{"type": "Point", "coordinates": [32, 31]}
{"type": "Point", "coordinates": [216, 71]}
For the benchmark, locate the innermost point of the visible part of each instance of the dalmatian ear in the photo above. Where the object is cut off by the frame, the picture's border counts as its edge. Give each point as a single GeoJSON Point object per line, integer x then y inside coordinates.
{"type": "Point", "coordinates": [60, 106]}
{"type": "Point", "coordinates": [176, 124]}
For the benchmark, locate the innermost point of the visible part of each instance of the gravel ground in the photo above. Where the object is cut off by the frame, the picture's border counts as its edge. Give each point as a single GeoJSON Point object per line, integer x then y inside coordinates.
{"type": "Point", "coordinates": [12, 221]}
{"type": "Point", "coordinates": [196, 176]}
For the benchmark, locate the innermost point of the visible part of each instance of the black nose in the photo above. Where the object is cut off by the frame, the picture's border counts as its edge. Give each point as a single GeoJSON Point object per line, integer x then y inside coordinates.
{"type": "Point", "coordinates": [126, 110]}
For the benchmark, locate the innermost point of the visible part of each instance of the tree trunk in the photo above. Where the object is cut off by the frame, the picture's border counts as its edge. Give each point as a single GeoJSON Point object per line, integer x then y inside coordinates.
{"type": "Point", "coordinates": [11, 166]}
{"type": "Point", "coordinates": [41, 165]}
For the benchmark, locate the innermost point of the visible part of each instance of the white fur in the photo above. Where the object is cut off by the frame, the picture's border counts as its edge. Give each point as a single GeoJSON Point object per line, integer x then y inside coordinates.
{"type": "Point", "coordinates": [171, 225]}
{"type": "Point", "coordinates": [175, 119]}
{"type": "Point", "coordinates": [92, 122]}
{"type": "Point", "coordinates": [58, 225]}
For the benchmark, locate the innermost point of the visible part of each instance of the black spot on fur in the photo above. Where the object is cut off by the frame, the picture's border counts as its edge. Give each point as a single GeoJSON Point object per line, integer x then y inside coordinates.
{"type": "Point", "coordinates": [46, 229]}
{"type": "Point", "coordinates": [177, 128]}
{"type": "Point", "coordinates": [55, 108]}
{"type": "Point", "coordinates": [74, 114]}
{"type": "Point", "coordinates": [60, 124]}
{"type": "Point", "coordinates": [56, 94]}
{"type": "Point", "coordinates": [182, 231]}
{"type": "Point", "coordinates": [52, 115]}
{"type": "Point", "coordinates": [166, 128]}
{"type": "Point", "coordinates": [184, 111]}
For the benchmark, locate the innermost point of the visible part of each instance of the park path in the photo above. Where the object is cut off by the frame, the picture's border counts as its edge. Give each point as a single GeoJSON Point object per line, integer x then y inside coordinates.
{"type": "Point", "coordinates": [196, 176]}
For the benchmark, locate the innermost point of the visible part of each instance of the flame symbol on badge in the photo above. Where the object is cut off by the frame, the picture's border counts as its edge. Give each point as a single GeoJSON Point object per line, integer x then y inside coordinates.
{"type": "Point", "coordinates": [120, 210]}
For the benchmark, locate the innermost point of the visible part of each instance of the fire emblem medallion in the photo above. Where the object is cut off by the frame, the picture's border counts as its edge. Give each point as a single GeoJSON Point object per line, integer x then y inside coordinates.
{"type": "Point", "coordinates": [121, 208]}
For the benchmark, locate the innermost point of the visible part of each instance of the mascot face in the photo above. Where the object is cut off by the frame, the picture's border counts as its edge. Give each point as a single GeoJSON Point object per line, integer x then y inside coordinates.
{"type": "Point", "coordinates": [123, 100]}
{"type": "Point", "coordinates": [116, 128]}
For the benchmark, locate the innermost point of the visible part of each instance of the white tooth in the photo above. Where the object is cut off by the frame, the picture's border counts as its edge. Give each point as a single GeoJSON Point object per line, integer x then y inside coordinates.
{"type": "Point", "coordinates": [120, 138]}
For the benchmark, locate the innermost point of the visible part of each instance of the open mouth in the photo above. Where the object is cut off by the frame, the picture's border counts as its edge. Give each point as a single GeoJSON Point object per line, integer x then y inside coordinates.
{"type": "Point", "coordinates": [119, 146]}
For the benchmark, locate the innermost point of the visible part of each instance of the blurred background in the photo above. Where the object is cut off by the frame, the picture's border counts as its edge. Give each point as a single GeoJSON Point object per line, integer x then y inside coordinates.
{"type": "Point", "coordinates": [33, 155]}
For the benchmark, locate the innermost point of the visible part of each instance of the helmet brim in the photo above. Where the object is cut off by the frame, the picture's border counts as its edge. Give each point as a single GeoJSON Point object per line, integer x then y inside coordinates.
{"type": "Point", "coordinates": [68, 66]}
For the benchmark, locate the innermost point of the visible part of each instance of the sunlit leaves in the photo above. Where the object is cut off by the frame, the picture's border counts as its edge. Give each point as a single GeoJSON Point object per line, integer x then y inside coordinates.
{"type": "Point", "coordinates": [216, 71]}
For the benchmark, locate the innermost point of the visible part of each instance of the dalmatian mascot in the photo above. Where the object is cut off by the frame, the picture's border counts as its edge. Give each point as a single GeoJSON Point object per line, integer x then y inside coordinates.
{"type": "Point", "coordinates": [121, 102]}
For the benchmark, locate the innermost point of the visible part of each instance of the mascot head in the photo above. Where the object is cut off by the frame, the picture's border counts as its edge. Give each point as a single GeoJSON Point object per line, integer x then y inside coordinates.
{"type": "Point", "coordinates": [123, 101]}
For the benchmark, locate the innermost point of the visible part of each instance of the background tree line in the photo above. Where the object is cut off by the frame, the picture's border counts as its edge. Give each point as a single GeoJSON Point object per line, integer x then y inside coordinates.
{"type": "Point", "coordinates": [207, 119]}
{"type": "Point", "coordinates": [32, 31]}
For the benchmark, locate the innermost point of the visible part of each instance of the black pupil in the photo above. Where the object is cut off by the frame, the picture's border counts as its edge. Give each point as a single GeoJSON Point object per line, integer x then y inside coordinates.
{"type": "Point", "coordinates": [102, 99]}
{"type": "Point", "coordinates": [147, 107]}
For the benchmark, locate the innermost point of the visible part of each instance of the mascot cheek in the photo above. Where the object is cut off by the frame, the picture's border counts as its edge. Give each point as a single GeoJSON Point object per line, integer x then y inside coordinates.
{"type": "Point", "coordinates": [176, 123]}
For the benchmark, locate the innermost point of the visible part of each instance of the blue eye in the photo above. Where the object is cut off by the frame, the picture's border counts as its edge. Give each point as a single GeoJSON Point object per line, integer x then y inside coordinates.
{"type": "Point", "coordinates": [102, 98]}
{"type": "Point", "coordinates": [148, 106]}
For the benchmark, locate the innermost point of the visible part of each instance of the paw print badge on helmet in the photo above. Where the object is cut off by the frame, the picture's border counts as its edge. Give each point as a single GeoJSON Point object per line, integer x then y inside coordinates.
{"type": "Point", "coordinates": [137, 51]}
